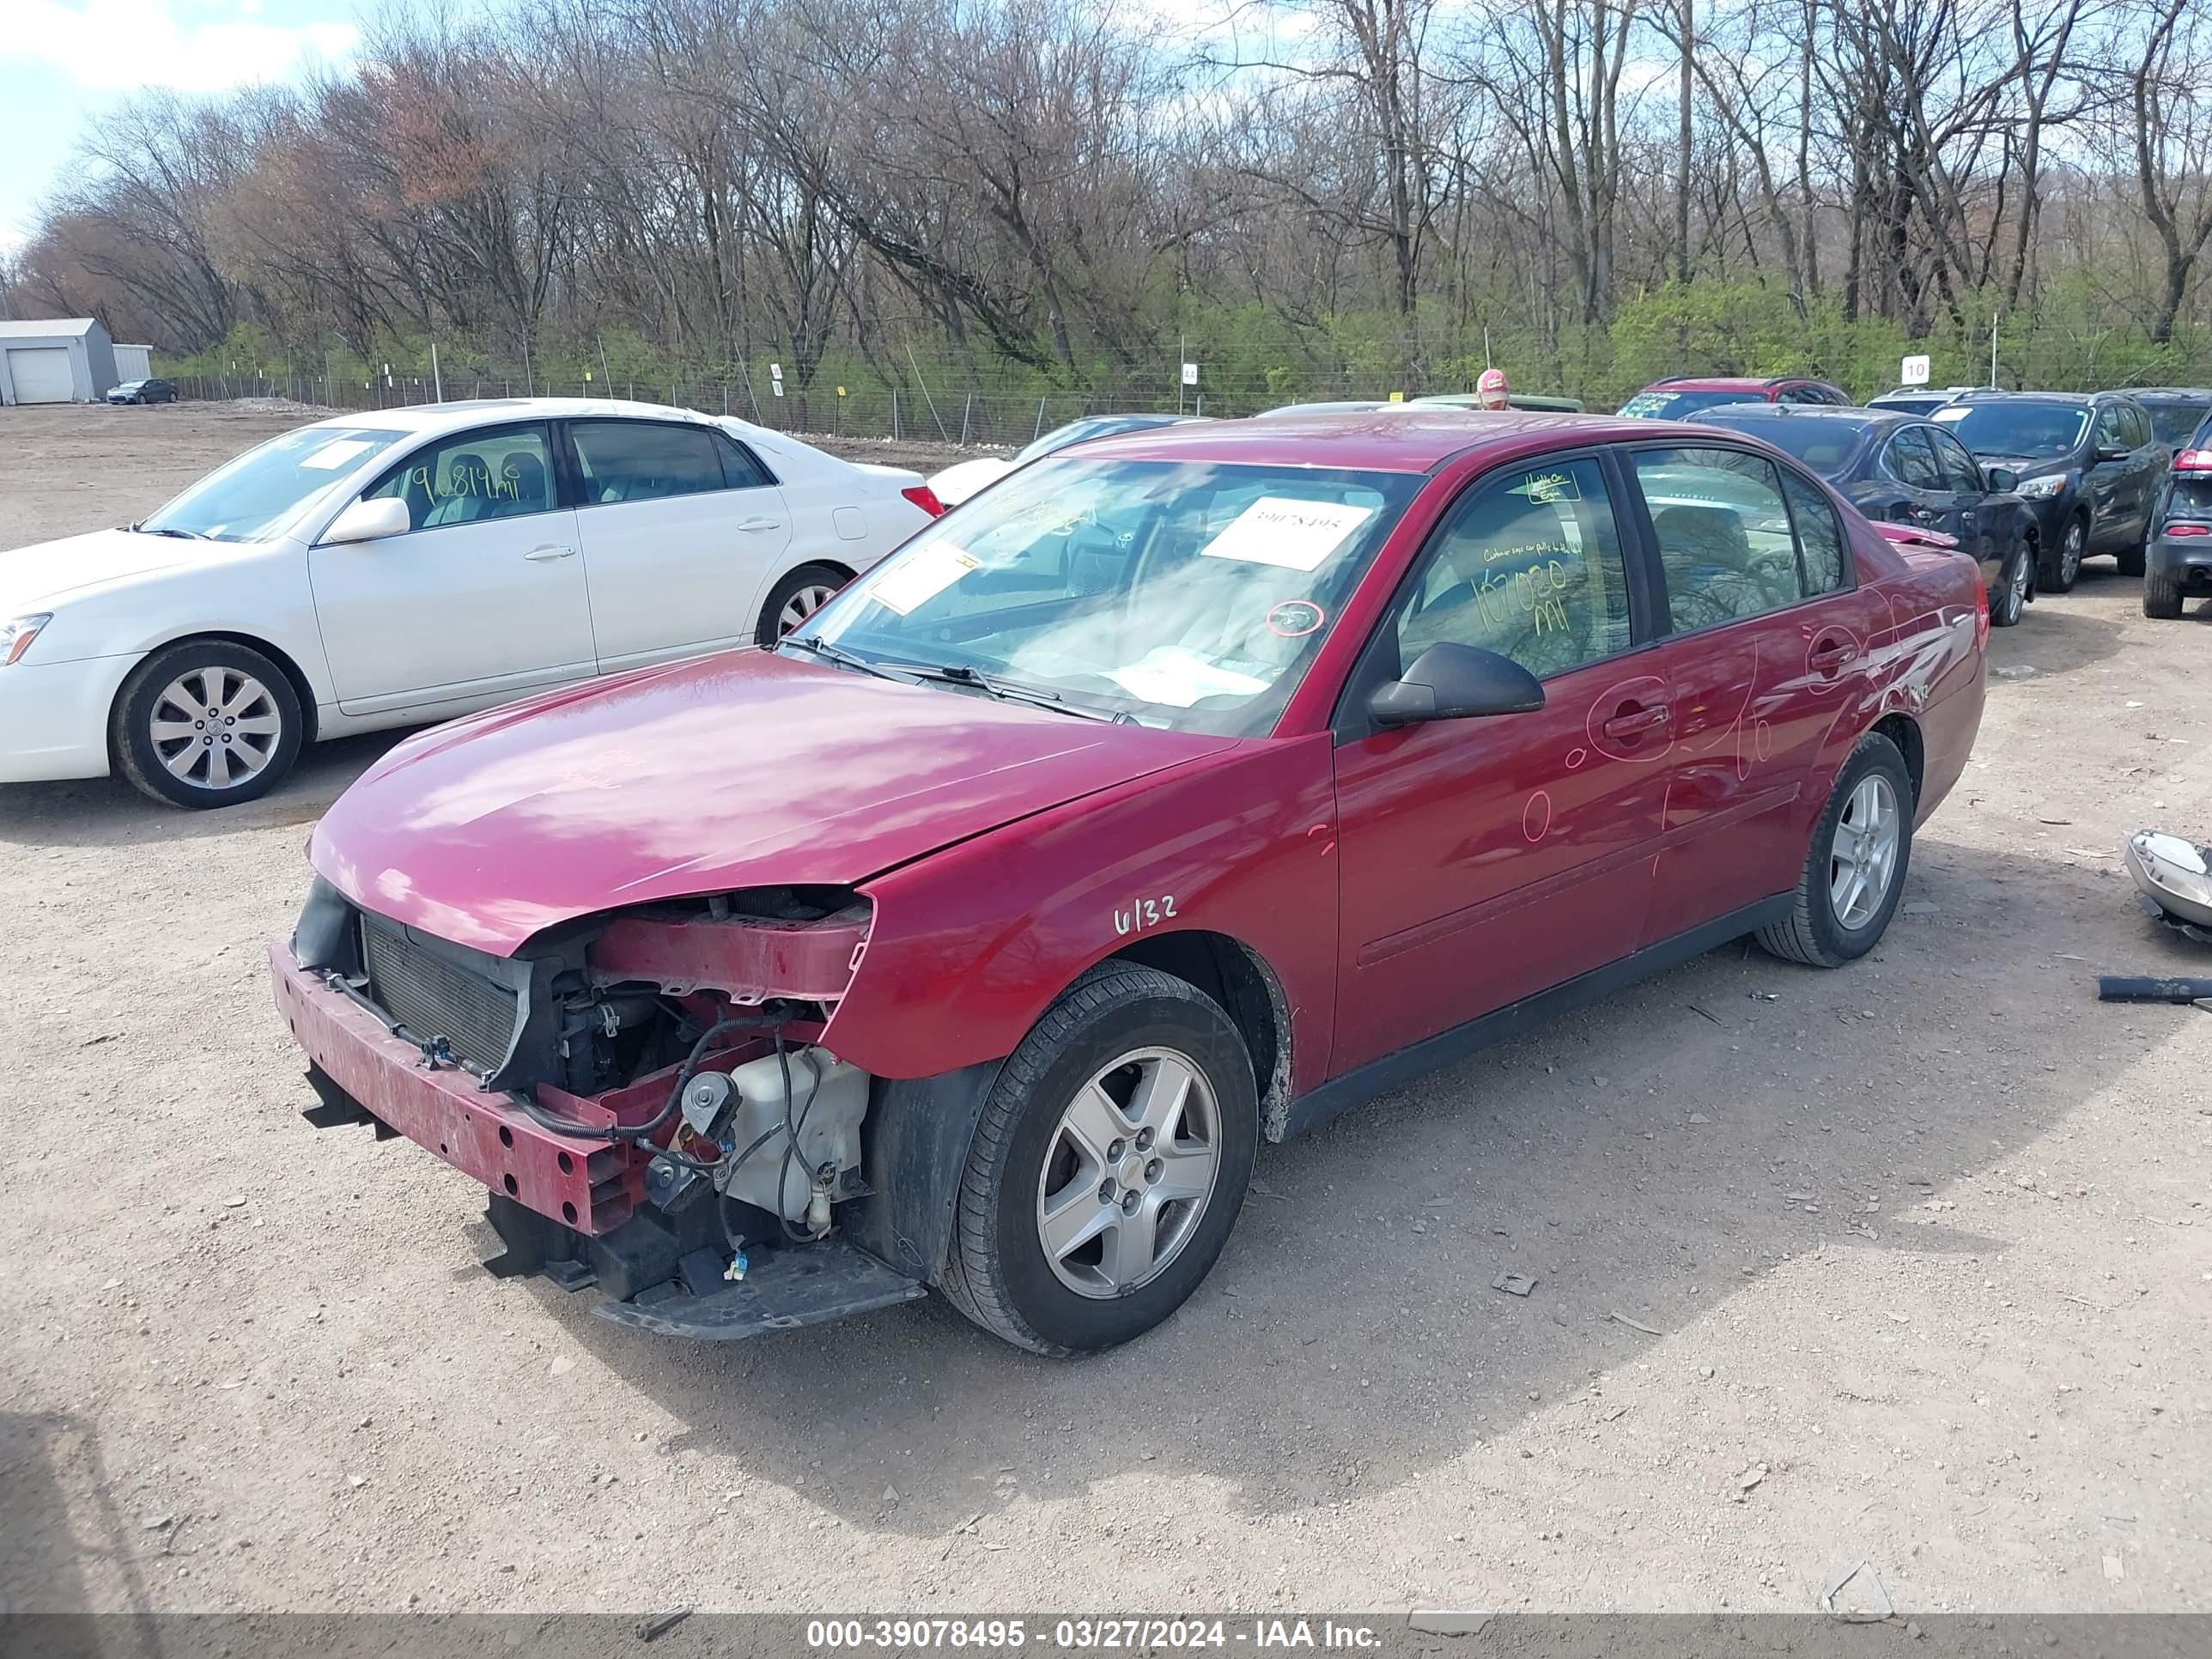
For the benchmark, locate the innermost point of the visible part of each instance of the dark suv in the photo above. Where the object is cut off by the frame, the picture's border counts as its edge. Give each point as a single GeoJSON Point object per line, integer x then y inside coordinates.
{"type": "Point", "coordinates": [2178, 561]}
{"type": "Point", "coordinates": [2175, 411]}
{"type": "Point", "coordinates": [2090, 464]}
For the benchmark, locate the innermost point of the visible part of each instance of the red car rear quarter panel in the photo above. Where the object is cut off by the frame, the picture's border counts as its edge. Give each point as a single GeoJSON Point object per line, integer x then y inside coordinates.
{"type": "Point", "coordinates": [1922, 660]}
{"type": "Point", "coordinates": [972, 944]}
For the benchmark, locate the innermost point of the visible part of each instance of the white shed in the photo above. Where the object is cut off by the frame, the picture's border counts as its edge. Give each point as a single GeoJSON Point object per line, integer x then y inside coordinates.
{"type": "Point", "coordinates": [133, 363]}
{"type": "Point", "coordinates": [59, 360]}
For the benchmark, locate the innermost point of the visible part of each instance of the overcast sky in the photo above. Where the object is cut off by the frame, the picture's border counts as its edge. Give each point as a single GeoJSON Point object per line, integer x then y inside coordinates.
{"type": "Point", "coordinates": [63, 61]}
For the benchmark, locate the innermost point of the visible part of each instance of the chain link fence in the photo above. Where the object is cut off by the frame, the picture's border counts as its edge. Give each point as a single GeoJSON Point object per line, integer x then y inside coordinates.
{"type": "Point", "coordinates": [1004, 420]}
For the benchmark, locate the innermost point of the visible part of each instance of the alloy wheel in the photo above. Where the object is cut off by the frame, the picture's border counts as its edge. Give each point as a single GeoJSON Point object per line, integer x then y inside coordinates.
{"type": "Point", "coordinates": [1863, 853]}
{"type": "Point", "coordinates": [2012, 594]}
{"type": "Point", "coordinates": [2069, 554]}
{"type": "Point", "coordinates": [214, 727]}
{"type": "Point", "coordinates": [802, 605]}
{"type": "Point", "coordinates": [1130, 1169]}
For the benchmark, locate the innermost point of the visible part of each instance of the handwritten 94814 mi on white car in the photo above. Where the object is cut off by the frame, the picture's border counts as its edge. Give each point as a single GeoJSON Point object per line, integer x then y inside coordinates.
{"type": "Point", "coordinates": [410, 565]}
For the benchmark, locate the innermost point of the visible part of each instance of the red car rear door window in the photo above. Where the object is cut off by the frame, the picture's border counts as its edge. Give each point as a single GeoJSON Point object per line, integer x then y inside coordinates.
{"type": "Point", "coordinates": [1762, 650]}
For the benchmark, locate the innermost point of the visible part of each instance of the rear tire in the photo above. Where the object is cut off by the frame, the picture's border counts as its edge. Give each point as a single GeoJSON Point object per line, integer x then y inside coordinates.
{"type": "Point", "coordinates": [2161, 596]}
{"type": "Point", "coordinates": [1831, 923]}
{"type": "Point", "coordinates": [797, 597]}
{"type": "Point", "coordinates": [1037, 1169]}
{"type": "Point", "coordinates": [206, 723]}
{"type": "Point", "coordinates": [2131, 560]}
{"type": "Point", "coordinates": [2062, 565]}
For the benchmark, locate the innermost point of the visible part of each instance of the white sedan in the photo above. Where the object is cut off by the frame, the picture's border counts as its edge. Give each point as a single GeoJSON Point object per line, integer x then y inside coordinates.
{"type": "Point", "coordinates": [412, 565]}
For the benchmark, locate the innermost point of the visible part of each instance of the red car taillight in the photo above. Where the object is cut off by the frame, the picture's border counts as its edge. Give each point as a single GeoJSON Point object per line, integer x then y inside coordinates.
{"type": "Point", "coordinates": [2179, 530]}
{"type": "Point", "coordinates": [2193, 460]}
{"type": "Point", "coordinates": [925, 498]}
{"type": "Point", "coordinates": [1981, 611]}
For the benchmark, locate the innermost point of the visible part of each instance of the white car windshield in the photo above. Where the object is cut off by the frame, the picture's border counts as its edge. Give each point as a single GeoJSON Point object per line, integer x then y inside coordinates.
{"type": "Point", "coordinates": [1190, 594]}
{"type": "Point", "coordinates": [264, 490]}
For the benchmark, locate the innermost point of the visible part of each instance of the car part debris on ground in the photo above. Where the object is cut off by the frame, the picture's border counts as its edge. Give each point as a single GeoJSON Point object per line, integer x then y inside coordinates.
{"type": "Point", "coordinates": [2175, 877]}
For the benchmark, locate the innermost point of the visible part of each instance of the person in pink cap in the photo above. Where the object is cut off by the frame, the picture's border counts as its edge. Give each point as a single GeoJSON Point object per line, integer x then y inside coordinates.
{"type": "Point", "coordinates": [1491, 388]}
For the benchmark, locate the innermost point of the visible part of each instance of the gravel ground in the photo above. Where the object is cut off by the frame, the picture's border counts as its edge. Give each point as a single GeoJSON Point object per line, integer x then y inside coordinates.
{"type": "Point", "coordinates": [1908, 1263]}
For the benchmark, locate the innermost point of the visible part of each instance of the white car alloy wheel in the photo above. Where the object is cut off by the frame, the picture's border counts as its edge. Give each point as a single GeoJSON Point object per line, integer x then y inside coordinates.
{"type": "Point", "coordinates": [1133, 1163]}
{"type": "Point", "coordinates": [1862, 857]}
{"type": "Point", "coordinates": [802, 605]}
{"type": "Point", "coordinates": [214, 727]}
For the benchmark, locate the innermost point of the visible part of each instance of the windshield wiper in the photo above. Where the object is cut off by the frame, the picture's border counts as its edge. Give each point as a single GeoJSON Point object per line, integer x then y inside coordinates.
{"type": "Point", "coordinates": [837, 653]}
{"type": "Point", "coordinates": [956, 673]}
{"type": "Point", "coordinates": [908, 673]}
{"type": "Point", "coordinates": [165, 529]}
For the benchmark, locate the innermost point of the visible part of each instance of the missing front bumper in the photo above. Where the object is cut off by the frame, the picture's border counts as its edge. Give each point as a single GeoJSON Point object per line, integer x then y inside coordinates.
{"type": "Point", "coordinates": [655, 1280]}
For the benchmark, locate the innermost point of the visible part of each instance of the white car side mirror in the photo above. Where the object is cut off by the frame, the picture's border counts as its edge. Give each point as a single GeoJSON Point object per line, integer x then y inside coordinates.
{"type": "Point", "coordinates": [370, 521]}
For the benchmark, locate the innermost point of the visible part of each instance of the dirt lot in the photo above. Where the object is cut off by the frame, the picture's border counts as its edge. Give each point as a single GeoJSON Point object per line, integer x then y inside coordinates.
{"type": "Point", "coordinates": [1925, 1245]}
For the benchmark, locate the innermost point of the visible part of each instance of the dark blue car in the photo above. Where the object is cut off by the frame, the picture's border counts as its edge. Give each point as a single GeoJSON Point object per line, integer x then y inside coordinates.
{"type": "Point", "coordinates": [1908, 470]}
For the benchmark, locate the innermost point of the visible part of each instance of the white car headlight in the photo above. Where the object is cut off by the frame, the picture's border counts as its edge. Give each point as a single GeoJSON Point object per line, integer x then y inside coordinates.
{"type": "Point", "coordinates": [15, 637]}
{"type": "Point", "coordinates": [2037, 488]}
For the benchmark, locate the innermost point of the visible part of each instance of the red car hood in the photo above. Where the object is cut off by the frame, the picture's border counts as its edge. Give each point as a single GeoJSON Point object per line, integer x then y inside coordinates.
{"type": "Point", "coordinates": [742, 770]}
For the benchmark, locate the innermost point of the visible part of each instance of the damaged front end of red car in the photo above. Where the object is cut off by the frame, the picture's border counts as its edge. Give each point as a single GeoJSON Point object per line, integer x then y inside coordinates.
{"type": "Point", "coordinates": [643, 1093]}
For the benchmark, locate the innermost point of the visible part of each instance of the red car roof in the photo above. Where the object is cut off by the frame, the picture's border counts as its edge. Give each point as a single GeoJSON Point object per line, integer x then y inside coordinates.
{"type": "Point", "coordinates": [1728, 383]}
{"type": "Point", "coordinates": [1380, 441]}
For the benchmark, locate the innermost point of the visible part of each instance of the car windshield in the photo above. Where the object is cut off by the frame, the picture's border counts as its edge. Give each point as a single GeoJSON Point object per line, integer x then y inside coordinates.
{"type": "Point", "coordinates": [1075, 432]}
{"type": "Point", "coordinates": [1189, 594]}
{"type": "Point", "coordinates": [262, 492]}
{"type": "Point", "coordinates": [1665, 406]}
{"type": "Point", "coordinates": [2036, 431]}
{"type": "Point", "coordinates": [1826, 446]}
{"type": "Point", "coordinates": [2172, 422]}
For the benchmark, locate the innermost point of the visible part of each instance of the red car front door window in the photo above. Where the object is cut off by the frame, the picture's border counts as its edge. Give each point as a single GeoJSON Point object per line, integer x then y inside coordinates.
{"type": "Point", "coordinates": [1481, 860]}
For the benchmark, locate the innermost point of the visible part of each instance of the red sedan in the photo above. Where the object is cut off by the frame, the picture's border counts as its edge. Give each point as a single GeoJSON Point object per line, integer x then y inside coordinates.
{"type": "Point", "coordinates": [1683, 395]}
{"type": "Point", "coordinates": [1184, 790]}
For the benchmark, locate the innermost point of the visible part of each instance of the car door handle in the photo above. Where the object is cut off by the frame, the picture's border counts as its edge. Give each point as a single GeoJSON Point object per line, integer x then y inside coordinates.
{"type": "Point", "coordinates": [551, 551]}
{"type": "Point", "coordinates": [1633, 720]}
{"type": "Point", "coordinates": [1831, 654]}
{"type": "Point", "coordinates": [754, 527]}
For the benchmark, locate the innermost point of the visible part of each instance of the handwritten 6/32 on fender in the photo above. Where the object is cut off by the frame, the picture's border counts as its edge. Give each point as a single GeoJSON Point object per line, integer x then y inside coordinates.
{"type": "Point", "coordinates": [1143, 913]}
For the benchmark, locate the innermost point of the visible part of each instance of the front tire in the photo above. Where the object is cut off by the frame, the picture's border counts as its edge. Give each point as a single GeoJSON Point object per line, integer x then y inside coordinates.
{"type": "Point", "coordinates": [2063, 566]}
{"type": "Point", "coordinates": [2015, 582]}
{"type": "Point", "coordinates": [1855, 869]}
{"type": "Point", "coordinates": [1108, 1165]}
{"type": "Point", "coordinates": [206, 723]}
{"type": "Point", "coordinates": [800, 593]}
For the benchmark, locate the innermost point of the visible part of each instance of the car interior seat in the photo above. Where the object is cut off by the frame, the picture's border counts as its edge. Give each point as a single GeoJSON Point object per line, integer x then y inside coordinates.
{"type": "Point", "coordinates": [525, 478]}
{"type": "Point", "coordinates": [467, 482]}
{"type": "Point", "coordinates": [1712, 575]}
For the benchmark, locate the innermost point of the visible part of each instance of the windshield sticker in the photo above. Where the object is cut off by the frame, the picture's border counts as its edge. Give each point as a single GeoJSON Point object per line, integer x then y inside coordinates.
{"type": "Point", "coordinates": [1178, 677]}
{"type": "Point", "coordinates": [920, 577]}
{"type": "Point", "coordinates": [1545, 488]}
{"type": "Point", "coordinates": [1291, 534]}
{"type": "Point", "coordinates": [1293, 619]}
{"type": "Point", "coordinates": [1955, 414]}
{"type": "Point", "coordinates": [334, 455]}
